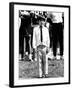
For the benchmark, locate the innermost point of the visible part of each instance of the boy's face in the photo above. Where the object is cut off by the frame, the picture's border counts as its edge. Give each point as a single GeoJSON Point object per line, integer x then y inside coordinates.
{"type": "Point", "coordinates": [42, 23]}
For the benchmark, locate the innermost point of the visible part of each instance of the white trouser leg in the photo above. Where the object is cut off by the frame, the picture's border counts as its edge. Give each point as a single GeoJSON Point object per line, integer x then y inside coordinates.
{"type": "Point", "coordinates": [39, 63]}
{"type": "Point", "coordinates": [40, 68]}
{"type": "Point", "coordinates": [46, 67]}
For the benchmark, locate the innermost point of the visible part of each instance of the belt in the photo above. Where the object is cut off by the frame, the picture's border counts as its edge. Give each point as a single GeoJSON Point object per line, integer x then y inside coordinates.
{"type": "Point", "coordinates": [41, 46]}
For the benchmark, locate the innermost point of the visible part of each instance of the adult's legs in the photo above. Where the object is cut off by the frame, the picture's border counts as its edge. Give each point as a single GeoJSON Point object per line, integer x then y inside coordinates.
{"type": "Point", "coordinates": [61, 47]}
{"type": "Point", "coordinates": [27, 45]}
{"type": "Point", "coordinates": [54, 47]}
{"type": "Point", "coordinates": [55, 39]}
{"type": "Point", "coordinates": [51, 40]}
{"type": "Point", "coordinates": [22, 47]}
{"type": "Point", "coordinates": [61, 38]}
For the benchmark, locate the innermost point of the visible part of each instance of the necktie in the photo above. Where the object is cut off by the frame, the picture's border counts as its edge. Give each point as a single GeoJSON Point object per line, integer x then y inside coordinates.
{"type": "Point", "coordinates": [41, 33]}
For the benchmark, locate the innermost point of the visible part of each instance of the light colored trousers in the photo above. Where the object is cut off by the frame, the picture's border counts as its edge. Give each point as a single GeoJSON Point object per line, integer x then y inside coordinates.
{"type": "Point", "coordinates": [42, 59]}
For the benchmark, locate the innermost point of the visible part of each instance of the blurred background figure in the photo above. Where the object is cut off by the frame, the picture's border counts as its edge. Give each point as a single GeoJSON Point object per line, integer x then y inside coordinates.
{"type": "Point", "coordinates": [24, 34]}
{"type": "Point", "coordinates": [57, 33]}
{"type": "Point", "coordinates": [29, 20]}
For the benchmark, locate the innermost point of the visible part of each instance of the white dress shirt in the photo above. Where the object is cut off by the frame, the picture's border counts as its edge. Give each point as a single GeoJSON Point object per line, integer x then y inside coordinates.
{"type": "Point", "coordinates": [37, 37]}
{"type": "Point", "coordinates": [57, 17]}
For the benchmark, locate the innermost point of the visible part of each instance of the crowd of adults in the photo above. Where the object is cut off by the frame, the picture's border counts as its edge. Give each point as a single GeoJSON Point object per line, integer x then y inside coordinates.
{"type": "Point", "coordinates": [28, 20]}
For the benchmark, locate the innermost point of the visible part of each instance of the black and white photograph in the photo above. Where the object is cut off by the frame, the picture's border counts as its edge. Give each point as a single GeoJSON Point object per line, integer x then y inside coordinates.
{"type": "Point", "coordinates": [41, 44]}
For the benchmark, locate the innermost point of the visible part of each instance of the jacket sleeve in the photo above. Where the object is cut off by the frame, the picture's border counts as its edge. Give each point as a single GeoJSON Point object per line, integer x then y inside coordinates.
{"type": "Point", "coordinates": [34, 38]}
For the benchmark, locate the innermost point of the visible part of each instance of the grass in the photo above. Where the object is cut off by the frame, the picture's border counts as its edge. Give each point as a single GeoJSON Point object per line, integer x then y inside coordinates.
{"type": "Point", "coordinates": [28, 69]}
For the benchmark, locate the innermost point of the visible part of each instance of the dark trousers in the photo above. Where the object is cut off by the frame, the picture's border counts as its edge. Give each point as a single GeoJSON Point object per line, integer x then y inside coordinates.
{"type": "Point", "coordinates": [21, 45]}
{"type": "Point", "coordinates": [51, 40]}
{"type": "Point", "coordinates": [57, 33]}
{"type": "Point", "coordinates": [27, 38]}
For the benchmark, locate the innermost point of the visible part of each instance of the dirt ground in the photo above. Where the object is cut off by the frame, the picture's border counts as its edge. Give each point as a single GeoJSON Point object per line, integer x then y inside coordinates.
{"type": "Point", "coordinates": [28, 69]}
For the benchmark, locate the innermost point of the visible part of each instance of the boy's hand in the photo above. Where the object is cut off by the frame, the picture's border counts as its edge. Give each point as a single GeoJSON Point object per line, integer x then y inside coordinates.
{"type": "Point", "coordinates": [47, 50]}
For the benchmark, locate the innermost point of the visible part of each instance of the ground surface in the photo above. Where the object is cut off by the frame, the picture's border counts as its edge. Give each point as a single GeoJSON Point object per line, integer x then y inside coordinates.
{"type": "Point", "coordinates": [28, 69]}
